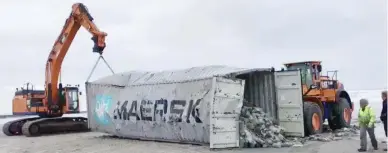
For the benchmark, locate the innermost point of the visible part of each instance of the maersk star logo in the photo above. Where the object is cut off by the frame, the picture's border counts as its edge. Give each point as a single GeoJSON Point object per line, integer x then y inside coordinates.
{"type": "Point", "coordinates": [101, 111]}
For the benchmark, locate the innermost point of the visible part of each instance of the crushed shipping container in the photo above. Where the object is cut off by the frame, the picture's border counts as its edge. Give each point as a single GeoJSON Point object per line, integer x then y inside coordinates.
{"type": "Point", "coordinates": [196, 105]}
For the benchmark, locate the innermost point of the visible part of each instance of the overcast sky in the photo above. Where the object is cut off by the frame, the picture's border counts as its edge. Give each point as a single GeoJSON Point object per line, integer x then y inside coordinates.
{"type": "Point", "coordinates": [347, 35]}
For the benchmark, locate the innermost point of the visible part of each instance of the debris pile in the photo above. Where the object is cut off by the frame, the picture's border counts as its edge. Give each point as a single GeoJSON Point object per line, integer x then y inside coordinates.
{"type": "Point", "coordinates": [335, 135]}
{"type": "Point", "coordinates": [257, 130]}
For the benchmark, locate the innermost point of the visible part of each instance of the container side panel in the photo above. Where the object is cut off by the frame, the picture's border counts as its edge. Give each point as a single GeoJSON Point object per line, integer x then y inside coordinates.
{"type": "Point", "coordinates": [225, 111]}
{"type": "Point", "coordinates": [290, 102]}
{"type": "Point", "coordinates": [176, 112]}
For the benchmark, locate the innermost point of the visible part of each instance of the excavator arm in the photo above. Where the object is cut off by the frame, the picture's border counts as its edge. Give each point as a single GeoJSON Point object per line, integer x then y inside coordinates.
{"type": "Point", "coordinates": [79, 16]}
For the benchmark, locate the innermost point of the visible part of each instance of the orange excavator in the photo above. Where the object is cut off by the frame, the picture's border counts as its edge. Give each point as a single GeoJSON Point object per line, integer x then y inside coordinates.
{"type": "Point", "coordinates": [50, 105]}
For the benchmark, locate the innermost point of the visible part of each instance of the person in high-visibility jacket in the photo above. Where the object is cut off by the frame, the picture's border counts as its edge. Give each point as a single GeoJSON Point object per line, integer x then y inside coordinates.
{"type": "Point", "coordinates": [366, 119]}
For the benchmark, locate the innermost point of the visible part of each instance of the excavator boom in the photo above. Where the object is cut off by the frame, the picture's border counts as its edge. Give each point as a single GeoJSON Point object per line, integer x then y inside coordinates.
{"type": "Point", "coordinates": [79, 16]}
{"type": "Point", "coordinates": [50, 118]}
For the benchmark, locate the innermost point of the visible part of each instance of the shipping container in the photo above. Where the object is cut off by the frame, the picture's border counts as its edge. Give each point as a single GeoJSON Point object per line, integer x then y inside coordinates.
{"type": "Point", "coordinates": [199, 105]}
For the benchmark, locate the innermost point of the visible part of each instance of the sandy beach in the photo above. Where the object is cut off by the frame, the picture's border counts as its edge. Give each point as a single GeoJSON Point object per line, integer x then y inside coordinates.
{"type": "Point", "coordinates": [92, 142]}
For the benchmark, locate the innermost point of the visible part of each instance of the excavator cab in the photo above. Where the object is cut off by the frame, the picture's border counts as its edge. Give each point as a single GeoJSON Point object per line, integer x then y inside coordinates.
{"type": "Point", "coordinates": [72, 99]}
{"type": "Point", "coordinates": [324, 97]}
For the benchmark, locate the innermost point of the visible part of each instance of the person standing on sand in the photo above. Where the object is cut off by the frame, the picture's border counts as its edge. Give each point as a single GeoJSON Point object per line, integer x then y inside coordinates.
{"type": "Point", "coordinates": [383, 116]}
{"type": "Point", "coordinates": [366, 119]}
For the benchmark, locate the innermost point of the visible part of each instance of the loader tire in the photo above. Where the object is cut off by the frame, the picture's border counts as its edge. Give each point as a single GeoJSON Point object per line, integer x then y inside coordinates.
{"type": "Point", "coordinates": [312, 118]}
{"type": "Point", "coordinates": [341, 115]}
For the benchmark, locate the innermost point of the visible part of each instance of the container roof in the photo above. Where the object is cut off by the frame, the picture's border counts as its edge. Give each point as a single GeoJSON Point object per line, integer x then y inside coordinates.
{"type": "Point", "coordinates": [170, 76]}
{"type": "Point", "coordinates": [301, 62]}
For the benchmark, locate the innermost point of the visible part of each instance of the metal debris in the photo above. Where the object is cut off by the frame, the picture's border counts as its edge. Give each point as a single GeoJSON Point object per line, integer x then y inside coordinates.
{"type": "Point", "coordinates": [257, 130]}
{"type": "Point", "coordinates": [335, 135]}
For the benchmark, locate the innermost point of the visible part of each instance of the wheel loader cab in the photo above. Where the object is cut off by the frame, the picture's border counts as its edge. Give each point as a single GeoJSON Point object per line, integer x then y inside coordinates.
{"type": "Point", "coordinates": [305, 71]}
{"type": "Point", "coordinates": [310, 73]}
{"type": "Point", "coordinates": [72, 99]}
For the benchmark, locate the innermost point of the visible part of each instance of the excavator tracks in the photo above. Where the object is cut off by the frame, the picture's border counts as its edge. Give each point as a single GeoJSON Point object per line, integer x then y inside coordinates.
{"type": "Point", "coordinates": [54, 125]}
{"type": "Point", "coordinates": [37, 126]}
{"type": "Point", "coordinates": [14, 127]}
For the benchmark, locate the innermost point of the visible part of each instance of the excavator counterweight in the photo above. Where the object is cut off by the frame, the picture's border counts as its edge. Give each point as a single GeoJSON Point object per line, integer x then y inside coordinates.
{"type": "Point", "coordinates": [56, 99]}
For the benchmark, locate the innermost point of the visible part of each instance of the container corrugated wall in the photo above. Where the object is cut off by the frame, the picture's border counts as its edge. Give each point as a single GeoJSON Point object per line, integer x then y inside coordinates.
{"type": "Point", "coordinates": [260, 91]}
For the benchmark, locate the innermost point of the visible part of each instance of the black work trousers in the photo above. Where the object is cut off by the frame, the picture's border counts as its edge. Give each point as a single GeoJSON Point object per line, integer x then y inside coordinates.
{"type": "Point", "coordinates": [385, 127]}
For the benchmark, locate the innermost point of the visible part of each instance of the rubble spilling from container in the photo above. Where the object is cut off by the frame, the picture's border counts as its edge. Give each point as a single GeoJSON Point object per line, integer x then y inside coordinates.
{"type": "Point", "coordinates": [257, 130]}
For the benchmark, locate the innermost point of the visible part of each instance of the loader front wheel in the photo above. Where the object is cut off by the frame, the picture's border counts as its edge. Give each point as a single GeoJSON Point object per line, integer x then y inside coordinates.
{"type": "Point", "coordinates": [312, 118]}
{"type": "Point", "coordinates": [341, 114]}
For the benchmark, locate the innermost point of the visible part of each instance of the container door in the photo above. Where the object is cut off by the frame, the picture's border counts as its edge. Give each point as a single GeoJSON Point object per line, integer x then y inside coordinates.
{"type": "Point", "coordinates": [290, 102]}
{"type": "Point", "coordinates": [224, 112]}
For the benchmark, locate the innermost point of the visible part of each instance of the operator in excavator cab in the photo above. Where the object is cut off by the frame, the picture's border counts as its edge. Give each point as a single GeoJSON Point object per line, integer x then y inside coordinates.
{"type": "Point", "coordinates": [366, 119]}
